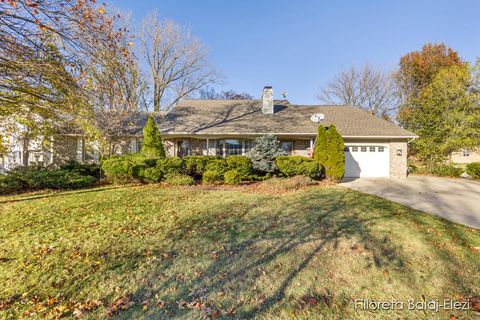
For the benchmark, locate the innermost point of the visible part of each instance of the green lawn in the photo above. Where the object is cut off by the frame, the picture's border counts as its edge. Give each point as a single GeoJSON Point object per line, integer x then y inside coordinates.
{"type": "Point", "coordinates": [185, 253]}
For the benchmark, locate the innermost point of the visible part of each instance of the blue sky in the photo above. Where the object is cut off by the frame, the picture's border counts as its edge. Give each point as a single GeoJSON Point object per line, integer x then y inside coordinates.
{"type": "Point", "coordinates": [298, 46]}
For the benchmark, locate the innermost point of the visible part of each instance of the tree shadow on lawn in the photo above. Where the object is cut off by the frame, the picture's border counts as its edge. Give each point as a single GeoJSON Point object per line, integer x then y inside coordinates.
{"type": "Point", "coordinates": [255, 245]}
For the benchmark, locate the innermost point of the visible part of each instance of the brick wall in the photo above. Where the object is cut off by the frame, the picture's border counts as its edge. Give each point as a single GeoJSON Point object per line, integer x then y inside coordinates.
{"type": "Point", "coordinates": [398, 163]}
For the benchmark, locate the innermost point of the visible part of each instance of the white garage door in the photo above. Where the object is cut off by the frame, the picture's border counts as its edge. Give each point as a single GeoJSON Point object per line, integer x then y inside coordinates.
{"type": "Point", "coordinates": [367, 161]}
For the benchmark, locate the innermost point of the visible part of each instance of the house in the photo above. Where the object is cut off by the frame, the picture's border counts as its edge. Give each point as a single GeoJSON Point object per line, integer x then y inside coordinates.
{"type": "Point", "coordinates": [466, 155]}
{"type": "Point", "coordinates": [373, 147]}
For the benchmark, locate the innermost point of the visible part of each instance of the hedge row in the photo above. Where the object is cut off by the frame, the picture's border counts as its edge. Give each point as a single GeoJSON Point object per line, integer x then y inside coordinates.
{"type": "Point", "coordinates": [208, 169]}
{"type": "Point", "coordinates": [72, 175]}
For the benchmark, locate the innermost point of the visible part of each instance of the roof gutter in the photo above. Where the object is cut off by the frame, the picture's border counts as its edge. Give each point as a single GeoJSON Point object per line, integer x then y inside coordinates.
{"type": "Point", "coordinates": [276, 133]}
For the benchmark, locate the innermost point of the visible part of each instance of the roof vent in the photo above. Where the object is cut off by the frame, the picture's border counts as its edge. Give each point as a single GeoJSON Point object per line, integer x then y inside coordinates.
{"type": "Point", "coordinates": [317, 117]}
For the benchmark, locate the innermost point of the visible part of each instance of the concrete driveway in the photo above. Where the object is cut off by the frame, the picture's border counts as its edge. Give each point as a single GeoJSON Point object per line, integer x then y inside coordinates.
{"type": "Point", "coordinates": [457, 200]}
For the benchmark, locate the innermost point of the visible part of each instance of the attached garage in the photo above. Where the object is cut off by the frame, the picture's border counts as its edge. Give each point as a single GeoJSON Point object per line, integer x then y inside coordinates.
{"type": "Point", "coordinates": [367, 160]}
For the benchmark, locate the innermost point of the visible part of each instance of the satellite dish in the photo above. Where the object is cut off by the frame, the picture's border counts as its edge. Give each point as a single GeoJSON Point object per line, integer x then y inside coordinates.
{"type": "Point", "coordinates": [317, 117]}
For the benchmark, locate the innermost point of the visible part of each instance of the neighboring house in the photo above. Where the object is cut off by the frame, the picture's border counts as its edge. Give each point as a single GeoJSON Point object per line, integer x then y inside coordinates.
{"type": "Point", "coordinates": [373, 147]}
{"type": "Point", "coordinates": [466, 156]}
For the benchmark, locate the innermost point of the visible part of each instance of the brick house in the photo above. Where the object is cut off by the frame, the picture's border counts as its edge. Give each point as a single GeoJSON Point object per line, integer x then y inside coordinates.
{"type": "Point", "coordinates": [373, 147]}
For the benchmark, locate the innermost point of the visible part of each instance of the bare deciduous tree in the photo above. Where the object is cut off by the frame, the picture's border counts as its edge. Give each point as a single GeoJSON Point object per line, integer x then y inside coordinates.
{"type": "Point", "coordinates": [210, 94]}
{"type": "Point", "coordinates": [371, 89]}
{"type": "Point", "coordinates": [177, 61]}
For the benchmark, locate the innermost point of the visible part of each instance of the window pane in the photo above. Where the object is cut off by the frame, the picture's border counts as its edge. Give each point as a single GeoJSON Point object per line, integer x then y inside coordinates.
{"type": "Point", "coordinates": [233, 147]}
{"type": "Point", "coordinates": [287, 146]}
{"type": "Point", "coordinates": [381, 149]}
{"type": "Point", "coordinates": [354, 149]}
{"type": "Point", "coordinates": [372, 149]}
{"type": "Point", "coordinates": [363, 149]}
{"type": "Point", "coordinates": [346, 149]}
{"type": "Point", "coordinates": [183, 148]}
{"type": "Point", "coordinates": [248, 145]}
{"type": "Point", "coordinates": [88, 151]}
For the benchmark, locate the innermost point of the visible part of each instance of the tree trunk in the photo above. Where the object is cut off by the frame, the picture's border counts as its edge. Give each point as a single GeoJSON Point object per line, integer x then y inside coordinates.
{"type": "Point", "coordinates": [25, 152]}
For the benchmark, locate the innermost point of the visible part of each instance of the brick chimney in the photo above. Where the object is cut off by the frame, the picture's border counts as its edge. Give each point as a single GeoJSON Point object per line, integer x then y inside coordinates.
{"type": "Point", "coordinates": [267, 100]}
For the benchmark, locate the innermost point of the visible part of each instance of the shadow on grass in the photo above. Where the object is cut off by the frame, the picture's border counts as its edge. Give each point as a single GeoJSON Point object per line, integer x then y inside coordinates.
{"type": "Point", "coordinates": [316, 220]}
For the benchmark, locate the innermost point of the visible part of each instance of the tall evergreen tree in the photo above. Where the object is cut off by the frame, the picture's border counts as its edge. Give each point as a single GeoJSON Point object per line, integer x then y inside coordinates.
{"type": "Point", "coordinates": [329, 152]}
{"type": "Point", "coordinates": [320, 152]}
{"type": "Point", "coordinates": [152, 141]}
{"type": "Point", "coordinates": [335, 164]}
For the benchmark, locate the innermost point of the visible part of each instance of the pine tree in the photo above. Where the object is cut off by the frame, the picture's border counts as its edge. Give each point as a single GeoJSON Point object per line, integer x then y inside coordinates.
{"type": "Point", "coordinates": [152, 141]}
{"type": "Point", "coordinates": [320, 152]}
{"type": "Point", "coordinates": [263, 154]}
{"type": "Point", "coordinates": [335, 163]}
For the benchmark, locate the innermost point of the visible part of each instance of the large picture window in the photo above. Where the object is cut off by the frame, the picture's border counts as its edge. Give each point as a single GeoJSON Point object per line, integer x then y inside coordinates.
{"type": "Point", "coordinates": [231, 147]}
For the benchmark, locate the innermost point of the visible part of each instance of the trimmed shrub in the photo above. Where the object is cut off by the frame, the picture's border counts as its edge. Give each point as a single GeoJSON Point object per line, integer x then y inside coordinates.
{"type": "Point", "coordinates": [152, 174]}
{"type": "Point", "coordinates": [321, 145]}
{"type": "Point", "coordinates": [243, 165]}
{"type": "Point", "coordinates": [473, 169]}
{"type": "Point", "coordinates": [170, 165]}
{"type": "Point", "coordinates": [218, 165]}
{"type": "Point", "coordinates": [125, 168]}
{"type": "Point", "coordinates": [263, 154]}
{"type": "Point", "coordinates": [448, 170]}
{"type": "Point", "coordinates": [179, 180]}
{"type": "Point", "coordinates": [211, 177]}
{"type": "Point", "coordinates": [152, 146]}
{"type": "Point", "coordinates": [34, 178]}
{"type": "Point", "coordinates": [232, 177]}
{"type": "Point", "coordinates": [297, 165]}
{"type": "Point", "coordinates": [90, 169]}
{"type": "Point", "coordinates": [195, 166]}
{"type": "Point", "coordinates": [329, 152]}
{"type": "Point", "coordinates": [59, 179]}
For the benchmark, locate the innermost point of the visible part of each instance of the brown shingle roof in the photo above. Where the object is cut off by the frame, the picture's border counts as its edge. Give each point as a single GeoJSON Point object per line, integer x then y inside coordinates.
{"type": "Point", "coordinates": [245, 117]}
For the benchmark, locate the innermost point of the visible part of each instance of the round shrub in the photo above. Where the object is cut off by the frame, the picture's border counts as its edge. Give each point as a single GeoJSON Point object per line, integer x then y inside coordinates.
{"type": "Point", "coordinates": [151, 174]}
{"type": "Point", "coordinates": [179, 180]}
{"type": "Point", "coordinates": [211, 177]}
{"type": "Point", "coordinates": [291, 166]}
{"type": "Point", "coordinates": [124, 168]}
{"type": "Point", "coordinates": [473, 170]}
{"type": "Point", "coordinates": [195, 165]}
{"type": "Point", "coordinates": [170, 165]}
{"type": "Point", "coordinates": [218, 165]}
{"type": "Point", "coordinates": [232, 177]}
{"type": "Point", "coordinates": [241, 164]}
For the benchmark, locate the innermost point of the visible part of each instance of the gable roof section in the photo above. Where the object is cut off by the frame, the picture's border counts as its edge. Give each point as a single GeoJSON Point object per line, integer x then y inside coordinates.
{"type": "Point", "coordinates": [243, 117]}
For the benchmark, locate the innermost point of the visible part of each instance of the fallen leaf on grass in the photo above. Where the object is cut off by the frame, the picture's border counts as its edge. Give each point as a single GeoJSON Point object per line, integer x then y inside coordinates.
{"type": "Point", "coordinates": [475, 303]}
{"type": "Point", "coordinates": [120, 304]}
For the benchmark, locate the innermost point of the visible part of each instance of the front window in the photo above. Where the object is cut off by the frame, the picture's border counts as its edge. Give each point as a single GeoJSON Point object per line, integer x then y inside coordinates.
{"type": "Point", "coordinates": [88, 151]}
{"type": "Point", "coordinates": [183, 148]}
{"type": "Point", "coordinates": [287, 146]}
{"type": "Point", "coordinates": [232, 147]}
